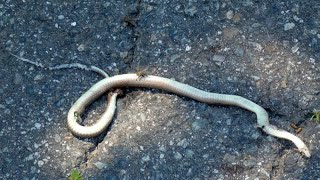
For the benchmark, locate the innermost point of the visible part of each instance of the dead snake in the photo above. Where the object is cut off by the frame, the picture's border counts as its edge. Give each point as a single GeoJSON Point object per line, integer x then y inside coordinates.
{"type": "Point", "coordinates": [134, 80]}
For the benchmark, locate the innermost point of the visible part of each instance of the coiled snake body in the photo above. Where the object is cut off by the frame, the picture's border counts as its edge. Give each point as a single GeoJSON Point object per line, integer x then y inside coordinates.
{"type": "Point", "coordinates": [134, 80]}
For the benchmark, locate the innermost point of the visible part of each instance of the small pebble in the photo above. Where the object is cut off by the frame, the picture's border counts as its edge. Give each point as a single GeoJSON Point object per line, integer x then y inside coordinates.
{"type": "Point", "coordinates": [249, 163]}
{"type": "Point", "coordinates": [229, 121]}
{"type": "Point", "coordinates": [256, 78]}
{"type": "Point", "coordinates": [256, 46]}
{"type": "Point", "coordinates": [73, 23]}
{"type": "Point", "coordinates": [295, 48]}
{"type": "Point", "coordinates": [247, 3]}
{"type": "Point", "coordinates": [188, 48]}
{"type": "Point", "coordinates": [7, 111]}
{"type": "Point", "coordinates": [9, 101]}
{"type": "Point", "coordinates": [162, 148]}
{"type": "Point", "coordinates": [38, 77]}
{"type": "Point", "coordinates": [33, 169]}
{"type": "Point", "coordinates": [65, 164]}
{"type": "Point", "coordinates": [5, 149]}
{"type": "Point", "coordinates": [195, 126]}
{"type": "Point", "coordinates": [177, 155]}
{"type": "Point", "coordinates": [61, 17]}
{"type": "Point", "coordinates": [17, 78]}
{"type": "Point", "coordinates": [218, 59]}
{"type": "Point", "coordinates": [228, 158]}
{"type": "Point", "coordinates": [11, 20]}
{"type": "Point", "coordinates": [146, 158]}
{"type": "Point", "coordinates": [255, 136]}
{"type": "Point", "coordinates": [81, 47]}
{"type": "Point", "coordinates": [161, 156]}
{"type": "Point", "coordinates": [239, 51]}
{"type": "Point", "coordinates": [191, 11]}
{"type": "Point", "coordinates": [40, 163]}
{"type": "Point", "coordinates": [189, 172]}
{"type": "Point", "coordinates": [205, 156]}
{"type": "Point", "coordinates": [171, 142]}
{"type": "Point", "coordinates": [124, 54]}
{"type": "Point", "coordinates": [184, 143]}
{"type": "Point", "coordinates": [100, 165]}
{"type": "Point", "coordinates": [29, 158]}
{"type": "Point", "coordinates": [289, 26]}
{"type": "Point", "coordinates": [149, 8]}
{"type": "Point", "coordinates": [198, 124]}
{"type": "Point", "coordinates": [174, 57]}
{"type": "Point", "coordinates": [57, 138]}
{"type": "Point", "coordinates": [37, 125]}
{"type": "Point", "coordinates": [229, 14]}
{"type": "Point", "coordinates": [230, 32]}
{"type": "Point", "coordinates": [189, 153]}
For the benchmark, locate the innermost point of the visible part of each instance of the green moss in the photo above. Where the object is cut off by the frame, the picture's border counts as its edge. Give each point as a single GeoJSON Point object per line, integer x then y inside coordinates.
{"type": "Point", "coordinates": [75, 175]}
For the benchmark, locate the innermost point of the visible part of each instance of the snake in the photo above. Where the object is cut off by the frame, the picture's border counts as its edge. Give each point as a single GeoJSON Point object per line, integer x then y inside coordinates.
{"type": "Point", "coordinates": [148, 81]}
{"type": "Point", "coordinates": [169, 85]}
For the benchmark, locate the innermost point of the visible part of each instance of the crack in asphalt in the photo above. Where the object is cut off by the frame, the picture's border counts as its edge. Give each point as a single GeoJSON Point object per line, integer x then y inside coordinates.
{"type": "Point", "coordinates": [131, 22]}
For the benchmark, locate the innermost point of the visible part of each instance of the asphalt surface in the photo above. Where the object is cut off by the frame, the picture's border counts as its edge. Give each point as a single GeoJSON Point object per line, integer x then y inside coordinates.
{"type": "Point", "coordinates": [266, 51]}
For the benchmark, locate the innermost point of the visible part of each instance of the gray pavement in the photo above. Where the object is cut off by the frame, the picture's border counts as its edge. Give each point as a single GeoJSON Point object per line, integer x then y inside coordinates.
{"type": "Point", "coordinates": [266, 51]}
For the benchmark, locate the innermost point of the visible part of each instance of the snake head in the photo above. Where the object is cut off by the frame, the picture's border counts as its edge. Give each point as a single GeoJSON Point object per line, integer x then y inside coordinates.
{"type": "Point", "coordinates": [305, 151]}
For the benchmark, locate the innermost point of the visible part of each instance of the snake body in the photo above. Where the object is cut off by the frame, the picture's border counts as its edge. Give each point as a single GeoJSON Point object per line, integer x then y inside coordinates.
{"type": "Point", "coordinates": [134, 80]}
